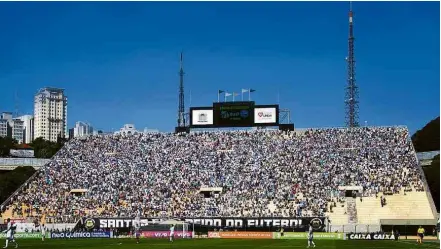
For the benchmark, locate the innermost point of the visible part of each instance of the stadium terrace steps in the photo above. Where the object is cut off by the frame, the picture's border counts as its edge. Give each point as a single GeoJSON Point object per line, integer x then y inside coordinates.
{"type": "Point", "coordinates": [352, 210]}
{"type": "Point", "coordinates": [338, 216]}
{"type": "Point", "coordinates": [413, 205]}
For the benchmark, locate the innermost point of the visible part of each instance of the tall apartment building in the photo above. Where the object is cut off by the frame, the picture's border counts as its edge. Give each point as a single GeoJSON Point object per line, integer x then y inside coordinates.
{"type": "Point", "coordinates": [71, 133]}
{"type": "Point", "coordinates": [82, 129]}
{"type": "Point", "coordinates": [50, 114]}
{"type": "Point", "coordinates": [3, 127]}
{"type": "Point", "coordinates": [11, 127]}
{"type": "Point", "coordinates": [7, 116]}
{"type": "Point", "coordinates": [28, 128]}
{"type": "Point", "coordinates": [17, 130]}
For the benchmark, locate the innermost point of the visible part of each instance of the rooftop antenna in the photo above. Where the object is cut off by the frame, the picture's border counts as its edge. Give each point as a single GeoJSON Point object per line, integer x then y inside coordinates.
{"type": "Point", "coordinates": [16, 104]}
{"type": "Point", "coordinates": [351, 101]}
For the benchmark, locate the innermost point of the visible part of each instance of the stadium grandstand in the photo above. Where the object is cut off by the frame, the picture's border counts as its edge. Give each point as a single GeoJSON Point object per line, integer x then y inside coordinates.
{"type": "Point", "coordinates": [357, 179]}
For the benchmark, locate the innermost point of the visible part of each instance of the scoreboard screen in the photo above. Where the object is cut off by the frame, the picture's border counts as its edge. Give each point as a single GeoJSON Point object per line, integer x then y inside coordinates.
{"type": "Point", "coordinates": [233, 114]}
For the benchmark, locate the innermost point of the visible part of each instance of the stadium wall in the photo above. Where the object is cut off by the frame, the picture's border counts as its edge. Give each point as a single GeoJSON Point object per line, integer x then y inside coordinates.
{"type": "Point", "coordinates": [12, 163]}
{"type": "Point", "coordinates": [426, 186]}
{"type": "Point", "coordinates": [354, 228]}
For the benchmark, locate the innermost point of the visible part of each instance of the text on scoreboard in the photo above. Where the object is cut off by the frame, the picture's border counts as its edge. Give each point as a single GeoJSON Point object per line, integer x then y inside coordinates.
{"type": "Point", "coordinates": [233, 114]}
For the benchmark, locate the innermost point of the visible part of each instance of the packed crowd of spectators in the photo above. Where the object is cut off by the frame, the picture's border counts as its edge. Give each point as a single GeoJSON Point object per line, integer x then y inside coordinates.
{"type": "Point", "coordinates": [261, 172]}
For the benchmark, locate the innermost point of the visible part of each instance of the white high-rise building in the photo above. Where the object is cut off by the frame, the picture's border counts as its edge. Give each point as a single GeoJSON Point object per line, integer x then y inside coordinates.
{"type": "Point", "coordinates": [3, 127]}
{"type": "Point", "coordinates": [11, 127]}
{"type": "Point", "coordinates": [28, 128]}
{"type": "Point", "coordinates": [50, 114]}
{"type": "Point", "coordinates": [82, 129]}
{"type": "Point", "coordinates": [17, 130]}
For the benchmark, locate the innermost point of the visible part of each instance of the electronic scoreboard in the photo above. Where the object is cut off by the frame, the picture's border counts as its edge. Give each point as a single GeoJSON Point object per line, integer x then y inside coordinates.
{"type": "Point", "coordinates": [233, 114]}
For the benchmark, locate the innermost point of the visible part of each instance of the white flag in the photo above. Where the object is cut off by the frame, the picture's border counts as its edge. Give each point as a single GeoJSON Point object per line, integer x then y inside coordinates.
{"type": "Point", "coordinates": [227, 94]}
{"type": "Point", "coordinates": [244, 90]}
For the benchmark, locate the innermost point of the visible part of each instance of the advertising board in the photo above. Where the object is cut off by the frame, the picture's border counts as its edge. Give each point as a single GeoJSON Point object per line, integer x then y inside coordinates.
{"type": "Point", "coordinates": [112, 223]}
{"type": "Point", "coordinates": [318, 236]}
{"type": "Point", "coordinates": [16, 220]}
{"type": "Point", "coordinates": [201, 117]}
{"type": "Point", "coordinates": [270, 224]}
{"type": "Point", "coordinates": [165, 234]}
{"type": "Point", "coordinates": [265, 115]}
{"type": "Point", "coordinates": [240, 235]}
{"type": "Point", "coordinates": [78, 235]}
{"type": "Point", "coordinates": [234, 114]}
{"type": "Point", "coordinates": [23, 235]}
{"type": "Point", "coordinates": [370, 236]}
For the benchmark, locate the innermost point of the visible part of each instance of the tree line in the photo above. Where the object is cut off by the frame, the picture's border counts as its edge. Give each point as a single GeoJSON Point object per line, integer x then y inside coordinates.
{"type": "Point", "coordinates": [42, 148]}
{"type": "Point", "coordinates": [11, 180]}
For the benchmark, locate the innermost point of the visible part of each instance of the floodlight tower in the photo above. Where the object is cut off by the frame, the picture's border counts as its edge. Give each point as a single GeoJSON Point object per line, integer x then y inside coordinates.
{"type": "Point", "coordinates": [351, 88]}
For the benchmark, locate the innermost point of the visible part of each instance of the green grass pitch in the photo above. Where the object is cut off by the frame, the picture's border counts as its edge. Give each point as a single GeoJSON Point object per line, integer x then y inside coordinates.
{"type": "Point", "coordinates": [214, 244]}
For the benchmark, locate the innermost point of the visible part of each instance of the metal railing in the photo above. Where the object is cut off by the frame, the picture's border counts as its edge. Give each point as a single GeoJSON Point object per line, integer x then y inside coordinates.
{"type": "Point", "coordinates": [34, 162]}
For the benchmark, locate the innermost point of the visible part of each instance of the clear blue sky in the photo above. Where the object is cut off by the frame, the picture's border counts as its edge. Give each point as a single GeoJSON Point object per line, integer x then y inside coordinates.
{"type": "Point", "coordinates": [119, 61]}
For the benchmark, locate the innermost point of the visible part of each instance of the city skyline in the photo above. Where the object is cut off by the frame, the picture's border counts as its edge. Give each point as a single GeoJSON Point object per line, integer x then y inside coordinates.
{"type": "Point", "coordinates": [127, 66]}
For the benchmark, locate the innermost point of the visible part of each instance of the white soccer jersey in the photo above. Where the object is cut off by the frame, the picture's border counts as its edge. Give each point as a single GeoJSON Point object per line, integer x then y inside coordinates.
{"type": "Point", "coordinates": [9, 232]}
{"type": "Point", "coordinates": [172, 230]}
{"type": "Point", "coordinates": [137, 225]}
{"type": "Point", "coordinates": [43, 230]}
{"type": "Point", "coordinates": [310, 233]}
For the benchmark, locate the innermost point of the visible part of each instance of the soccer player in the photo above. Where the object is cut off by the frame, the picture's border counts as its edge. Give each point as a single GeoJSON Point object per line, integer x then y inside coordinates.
{"type": "Point", "coordinates": [137, 225]}
{"type": "Point", "coordinates": [10, 229]}
{"type": "Point", "coordinates": [43, 232]}
{"type": "Point", "coordinates": [420, 234]}
{"type": "Point", "coordinates": [172, 232]}
{"type": "Point", "coordinates": [310, 237]}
